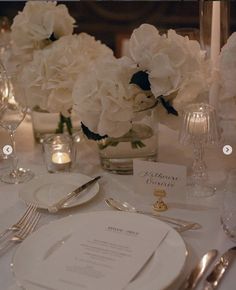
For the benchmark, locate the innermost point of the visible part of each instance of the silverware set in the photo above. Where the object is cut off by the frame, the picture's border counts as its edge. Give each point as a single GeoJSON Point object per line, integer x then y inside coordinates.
{"type": "Point", "coordinates": [179, 224]}
{"type": "Point", "coordinates": [212, 281]}
{"type": "Point", "coordinates": [28, 222]}
{"type": "Point", "coordinates": [20, 230]}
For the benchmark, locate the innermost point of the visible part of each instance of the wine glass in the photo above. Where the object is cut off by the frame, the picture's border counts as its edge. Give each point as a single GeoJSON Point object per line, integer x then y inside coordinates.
{"type": "Point", "coordinates": [228, 209]}
{"type": "Point", "coordinates": [12, 114]}
{"type": "Point", "coordinates": [4, 87]}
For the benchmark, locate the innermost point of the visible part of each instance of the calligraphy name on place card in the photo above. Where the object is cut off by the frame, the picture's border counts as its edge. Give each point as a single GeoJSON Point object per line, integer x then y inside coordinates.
{"type": "Point", "coordinates": [149, 176]}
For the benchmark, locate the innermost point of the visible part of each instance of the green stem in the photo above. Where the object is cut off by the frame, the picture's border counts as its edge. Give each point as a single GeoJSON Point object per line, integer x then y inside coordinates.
{"type": "Point", "coordinates": [69, 125]}
{"type": "Point", "coordinates": [64, 121]}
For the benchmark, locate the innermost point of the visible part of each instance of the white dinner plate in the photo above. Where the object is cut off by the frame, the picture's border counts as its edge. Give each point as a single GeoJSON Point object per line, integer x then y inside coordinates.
{"type": "Point", "coordinates": [161, 270]}
{"type": "Point", "coordinates": [45, 190]}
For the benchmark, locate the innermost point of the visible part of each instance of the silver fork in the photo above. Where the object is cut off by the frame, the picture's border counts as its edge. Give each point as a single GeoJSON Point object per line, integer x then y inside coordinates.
{"type": "Point", "coordinates": [23, 233]}
{"type": "Point", "coordinates": [17, 226]}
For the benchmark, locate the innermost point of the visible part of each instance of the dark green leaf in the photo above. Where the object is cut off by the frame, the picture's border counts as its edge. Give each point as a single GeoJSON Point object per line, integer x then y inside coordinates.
{"type": "Point", "coordinates": [140, 79]}
{"type": "Point", "coordinates": [169, 108]}
{"type": "Point", "coordinates": [91, 135]}
{"type": "Point", "coordinates": [52, 37]}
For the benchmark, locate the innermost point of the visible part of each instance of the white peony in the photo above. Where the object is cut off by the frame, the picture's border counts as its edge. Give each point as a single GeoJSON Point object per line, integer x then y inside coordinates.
{"type": "Point", "coordinates": [104, 98]}
{"type": "Point", "coordinates": [47, 81]}
{"type": "Point", "coordinates": [32, 28]}
{"type": "Point", "coordinates": [173, 62]}
{"type": "Point", "coordinates": [227, 67]}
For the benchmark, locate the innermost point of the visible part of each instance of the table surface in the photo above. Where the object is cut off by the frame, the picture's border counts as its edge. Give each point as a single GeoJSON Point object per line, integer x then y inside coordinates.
{"type": "Point", "coordinates": [205, 211]}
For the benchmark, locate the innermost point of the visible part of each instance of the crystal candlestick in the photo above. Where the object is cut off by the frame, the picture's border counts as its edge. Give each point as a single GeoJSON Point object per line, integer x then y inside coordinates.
{"type": "Point", "coordinates": [199, 128]}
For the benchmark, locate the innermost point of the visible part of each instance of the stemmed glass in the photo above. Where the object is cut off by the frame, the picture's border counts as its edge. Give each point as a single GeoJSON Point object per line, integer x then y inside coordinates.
{"type": "Point", "coordinates": [12, 114]}
{"type": "Point", "coordinates": [228, 209]}
{"type": "Point", "coordinates": [199, 128]}
{"type": "Point", "coordinates": [4, 87]}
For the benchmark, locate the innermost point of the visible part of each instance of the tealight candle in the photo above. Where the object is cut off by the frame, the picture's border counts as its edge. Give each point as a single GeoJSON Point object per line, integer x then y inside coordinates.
{"type": "Point", "coordinates": [59, 153]}
{"type": "Point", "coordinates": [60, 158]}
{"type": "Point", "coordinates": [198, 124]}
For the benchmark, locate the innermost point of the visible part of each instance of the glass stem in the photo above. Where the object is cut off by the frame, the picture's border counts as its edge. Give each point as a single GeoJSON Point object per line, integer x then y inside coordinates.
{"type": "Point", "coordinates": [199, 170]}
{"type": "Point", "coordinates": [13, 155]}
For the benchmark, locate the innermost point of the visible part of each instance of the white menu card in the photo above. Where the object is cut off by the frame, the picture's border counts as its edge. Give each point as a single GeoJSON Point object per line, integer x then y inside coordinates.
{"type": "Point", "coordinates": [149, 176]}
{"type": "Point", "coordinates": [105, 256]}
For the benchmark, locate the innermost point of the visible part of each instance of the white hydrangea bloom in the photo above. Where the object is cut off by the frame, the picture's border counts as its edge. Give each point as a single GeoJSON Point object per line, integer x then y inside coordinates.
{"type": "Point", "coordinates": [48, 80]}
{"type": "Point", "coordinates": [104, 98]}
{"type": "Point", "coordinates": [173, 62]}
{"type": "Point", "coordinates": [32, 28]}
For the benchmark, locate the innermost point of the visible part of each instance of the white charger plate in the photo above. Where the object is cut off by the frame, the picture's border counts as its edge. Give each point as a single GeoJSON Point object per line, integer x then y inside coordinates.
{"type": "Point", "coordinates": [45, 190]}
{"type": "Point", "coordinates": [160, 272]}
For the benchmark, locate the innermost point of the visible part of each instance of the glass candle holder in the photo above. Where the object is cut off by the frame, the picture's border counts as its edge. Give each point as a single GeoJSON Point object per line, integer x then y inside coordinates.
{"type": "Point", "coordinates": [59, 153]}
{"type": "Point", "coordinates": [199, 128]}
{"type": "Point", "coordinates": [208, 20]}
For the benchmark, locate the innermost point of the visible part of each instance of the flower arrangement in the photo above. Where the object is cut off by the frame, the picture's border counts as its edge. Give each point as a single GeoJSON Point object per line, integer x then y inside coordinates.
{"type": "Point", "coordinates": [56, 70]}
{"type": "Point", "coordinates": [163, 71]}
{"type": "Point", "coordinates": [48, 58]}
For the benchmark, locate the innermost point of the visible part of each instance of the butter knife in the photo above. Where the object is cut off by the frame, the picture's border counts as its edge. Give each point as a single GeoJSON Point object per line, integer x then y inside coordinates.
{"type": "Point", "coordinates": [213, 279]}
{"type": "Point", "coordinates": [196, 274]}
{"type": "Point", "coordinates": [58, 205]}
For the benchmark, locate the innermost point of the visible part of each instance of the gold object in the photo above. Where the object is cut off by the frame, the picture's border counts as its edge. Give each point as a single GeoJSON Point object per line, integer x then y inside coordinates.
{"type": "Point", "coordinates": [160, 205]}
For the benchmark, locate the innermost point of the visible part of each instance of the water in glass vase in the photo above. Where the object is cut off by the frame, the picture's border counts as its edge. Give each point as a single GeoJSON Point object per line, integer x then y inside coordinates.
{"type": "Point", "coordinates": [117, 154]}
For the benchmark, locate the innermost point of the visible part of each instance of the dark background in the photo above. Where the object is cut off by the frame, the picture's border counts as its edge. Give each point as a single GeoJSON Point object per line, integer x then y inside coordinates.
{"type": "Point", "coordinates": [110, 21]}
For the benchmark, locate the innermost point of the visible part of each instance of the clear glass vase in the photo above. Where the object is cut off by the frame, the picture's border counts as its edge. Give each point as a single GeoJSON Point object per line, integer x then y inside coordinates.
{"type": "Point", "coordinates": [45, 123]}
{"type": "Point", "coordinates": [206, 21]}
{"type": "Point", "coordinates": [141, 142]}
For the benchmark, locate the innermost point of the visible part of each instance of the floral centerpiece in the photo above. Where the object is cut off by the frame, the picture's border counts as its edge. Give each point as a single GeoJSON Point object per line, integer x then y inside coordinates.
{"type": "Point", "coordinates": [162, 73]}
{"type": "Point", "coordinates": [48, 58]}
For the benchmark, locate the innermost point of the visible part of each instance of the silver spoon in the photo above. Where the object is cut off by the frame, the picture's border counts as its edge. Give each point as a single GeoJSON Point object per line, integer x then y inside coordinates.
{"type": "Point", "coordinates": [125, 206]}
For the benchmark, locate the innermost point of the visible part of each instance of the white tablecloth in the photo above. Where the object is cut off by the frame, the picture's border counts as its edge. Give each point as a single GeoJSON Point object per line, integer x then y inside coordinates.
{"type": "Point", "coordinates": [206, 211]}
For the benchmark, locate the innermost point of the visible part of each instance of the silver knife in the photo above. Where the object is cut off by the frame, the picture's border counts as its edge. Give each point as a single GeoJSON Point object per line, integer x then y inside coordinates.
{"type": "Point", "coordinates": [58, 205]}
{"type": "Point", "coordinates": [196, 274]}
{"type": "Point", "coordinates": [213, 279]}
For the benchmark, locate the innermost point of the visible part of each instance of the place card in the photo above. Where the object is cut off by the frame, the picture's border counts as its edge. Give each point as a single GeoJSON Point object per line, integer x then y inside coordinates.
{"type": "Point", "coordinates": [149, 176]}
{"type": "Point", "coordinates": [106, 256]}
